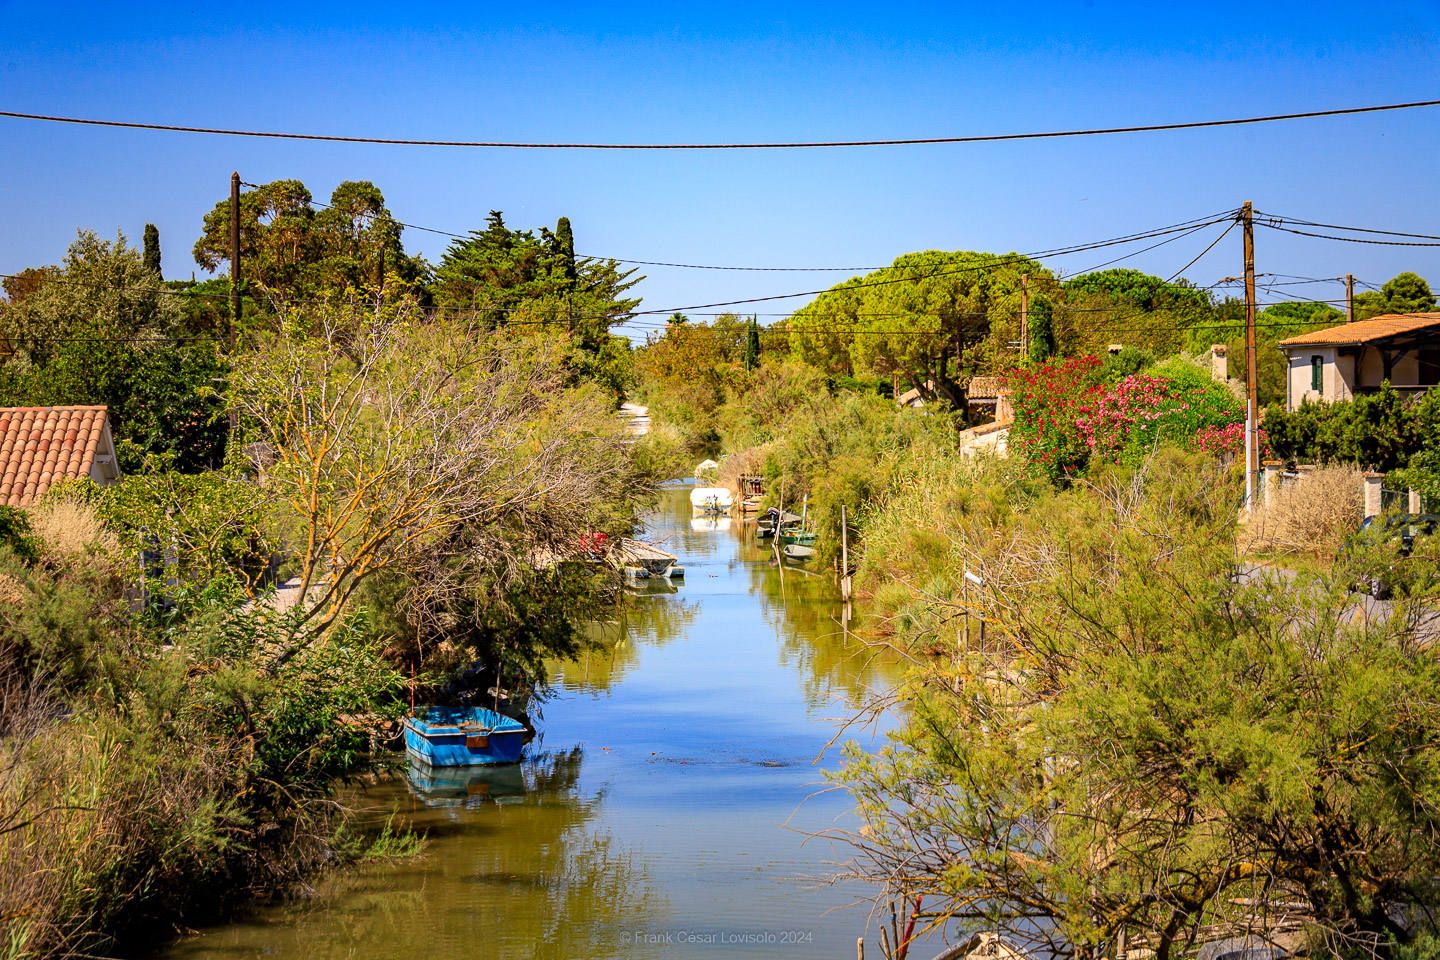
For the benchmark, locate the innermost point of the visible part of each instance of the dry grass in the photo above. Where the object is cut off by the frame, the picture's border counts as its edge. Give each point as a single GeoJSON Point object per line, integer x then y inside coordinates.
{"type": "Point", "coordinates": [748, 461]}
{"type": "Point", "coordinates": [70, 527]}
{"type": "Point", "coordinates": [1311, 516]}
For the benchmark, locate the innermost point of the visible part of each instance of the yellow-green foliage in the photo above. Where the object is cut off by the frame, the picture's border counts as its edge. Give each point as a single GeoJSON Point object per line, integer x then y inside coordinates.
{"type": "Point", "coordinates": [944, 513]}
{"type": "Point", "coordinates": [1148, 742]}
{"type": "Point", "coordinates": [775, 395]}
{"type": "Point", "coordinates": [849, 450]}
{"type": "Point", "coordinates": [140, 781]}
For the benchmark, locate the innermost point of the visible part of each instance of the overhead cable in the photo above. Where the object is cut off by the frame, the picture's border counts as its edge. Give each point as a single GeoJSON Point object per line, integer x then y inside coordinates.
{"type": "Point", "coordinates": [778, 145]}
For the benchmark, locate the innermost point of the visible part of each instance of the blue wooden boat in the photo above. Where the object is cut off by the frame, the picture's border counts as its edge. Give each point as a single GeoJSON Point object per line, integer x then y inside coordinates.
{"type": "Point", "coordinates": [463, 737]}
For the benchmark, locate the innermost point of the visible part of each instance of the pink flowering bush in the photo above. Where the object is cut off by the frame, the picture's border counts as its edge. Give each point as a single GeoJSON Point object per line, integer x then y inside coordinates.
{"type": "Point", "coordinates": [1046, 401]}
{"type": "Point", "coordinates": [1064, 417]}
{"type": "Point", "coordinates": [1229, 440]}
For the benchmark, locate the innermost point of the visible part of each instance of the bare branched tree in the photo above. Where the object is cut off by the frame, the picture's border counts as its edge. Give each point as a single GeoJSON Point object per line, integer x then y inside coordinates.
{"type": "Point", "coordinates": [378, 433]}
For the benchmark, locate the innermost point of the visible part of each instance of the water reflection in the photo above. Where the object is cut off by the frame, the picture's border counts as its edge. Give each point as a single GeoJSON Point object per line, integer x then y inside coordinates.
{"type": "Point", "coordinates": [667, 792]}
{"type": "Point", "coordinates": [516, 866]}
{"type": "Point", "coordinates": [803, 607]}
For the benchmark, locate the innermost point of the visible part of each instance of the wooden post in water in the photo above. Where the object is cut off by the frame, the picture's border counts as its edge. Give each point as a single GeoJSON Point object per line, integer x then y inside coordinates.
{"type": "Point", "coordinates": [859, 948]}
{"type": "Point", "coordinates": [779, 557]}
{"type": "Point", "coordinates": [844, 556]}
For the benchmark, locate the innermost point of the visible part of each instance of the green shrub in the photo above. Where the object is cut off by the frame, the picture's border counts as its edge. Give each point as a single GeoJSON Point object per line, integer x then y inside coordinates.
{"type": "Point", "coordinates": [1378, 431]}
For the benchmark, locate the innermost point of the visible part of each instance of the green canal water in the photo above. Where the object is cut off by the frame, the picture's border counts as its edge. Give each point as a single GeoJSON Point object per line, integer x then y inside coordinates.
{"type": "Point", "coordinates": [663, 811]}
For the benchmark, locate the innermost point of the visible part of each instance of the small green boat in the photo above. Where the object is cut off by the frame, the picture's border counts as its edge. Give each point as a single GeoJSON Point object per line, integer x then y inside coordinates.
{"type": "Point", "coordinates": [806, 538]}
{"type": "Point", "coordinates": [796, 553]}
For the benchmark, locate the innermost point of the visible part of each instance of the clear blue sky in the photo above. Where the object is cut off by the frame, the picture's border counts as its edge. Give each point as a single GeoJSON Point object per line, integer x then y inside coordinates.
{"type": "Point", "coordinates": [712, 72]}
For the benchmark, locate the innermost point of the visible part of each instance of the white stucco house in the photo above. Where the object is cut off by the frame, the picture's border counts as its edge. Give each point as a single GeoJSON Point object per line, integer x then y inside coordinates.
{"type": "Point", "coordinates": [1339, 362]}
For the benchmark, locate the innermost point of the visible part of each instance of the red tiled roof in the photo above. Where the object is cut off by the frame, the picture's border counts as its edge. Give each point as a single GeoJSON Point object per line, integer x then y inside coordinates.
{"type": "Point", "coordinates": [987, 388]}
{"type": "Point", "coordinates": [40, 445]}
{"type": "Point", "coordinates": [1364, 331]}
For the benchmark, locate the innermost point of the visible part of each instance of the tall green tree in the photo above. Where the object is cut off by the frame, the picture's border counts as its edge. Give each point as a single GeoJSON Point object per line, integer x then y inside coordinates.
{"type": "Point", "coordinates": [1134, 309]}
{"type": "Point", "coordinates": [536, 283]}
{"type": "Point", "coordinates": [102, 286]}
{"type": "Point", "coordinates": [930, 317]}
{"type": "Point", "coordinates": [1403, 293]}
{"type": "Point", "coordinates": [1042, 345]}
{"type": "Point", "coordinates": [289, 247]}
{"type": "Point", "coordinates": [102, 329]}
{"type": "Point", "coordinates": [565, 245]}
{"type": "Point", "coordinates": [152, 249]}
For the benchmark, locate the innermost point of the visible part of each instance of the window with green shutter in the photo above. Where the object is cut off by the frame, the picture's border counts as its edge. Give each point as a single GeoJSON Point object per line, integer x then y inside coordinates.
{"type": "Point", "coordinates": [1317, 373]}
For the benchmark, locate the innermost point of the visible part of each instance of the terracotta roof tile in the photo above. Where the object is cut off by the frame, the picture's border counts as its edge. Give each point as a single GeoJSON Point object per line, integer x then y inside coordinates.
{"type": "Point", "coordinates": [42, 445]}
{"type": "Point", "coordinates": [986, 388]}
{"type": "Point", "coordinates": [1365, 331]}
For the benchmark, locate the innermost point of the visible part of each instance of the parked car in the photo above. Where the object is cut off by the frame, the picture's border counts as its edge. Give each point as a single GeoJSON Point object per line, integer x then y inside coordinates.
{"type": "Point", "coordinates": [1399, 532]}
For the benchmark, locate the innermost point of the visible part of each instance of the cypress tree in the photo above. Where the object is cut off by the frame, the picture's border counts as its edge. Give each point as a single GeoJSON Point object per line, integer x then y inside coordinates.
{"type": "Point", "coordinates": [152, 248]}
{"type": "Point", "coordinates": [1042, 343]}
{"type": "Point", "coordinates": [565, 240]}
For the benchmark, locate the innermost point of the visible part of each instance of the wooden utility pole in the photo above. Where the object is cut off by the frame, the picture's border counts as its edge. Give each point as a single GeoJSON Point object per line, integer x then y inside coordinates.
{"type": "Point", "coordinates": [1349, 298]}
{"type": "Point", "coordinates": [1024, 315]}
{"type": "Point", "coordinates": [1252, 386]}
{"type": "Point", "coordinates": [234, 278]}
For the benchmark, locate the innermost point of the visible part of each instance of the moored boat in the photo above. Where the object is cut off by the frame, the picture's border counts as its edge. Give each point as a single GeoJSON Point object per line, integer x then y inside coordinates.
{"type": "Point", "coordinates": [773, 519]}
{"type": "Point", "coordinates": [794, 551]}
{"type": "Point", "coordinates": [446, 786]}
{"type": "Point", "coordinates": [639, 560]}
{"type": "Point", "coordinates": [463, 736]}
{"type": "Point", "coordinates": [711, 500]}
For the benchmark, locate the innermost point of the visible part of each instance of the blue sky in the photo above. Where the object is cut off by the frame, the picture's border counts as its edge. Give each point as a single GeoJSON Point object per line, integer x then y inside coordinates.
{"type": "Point", "coordinates": [717, 72]}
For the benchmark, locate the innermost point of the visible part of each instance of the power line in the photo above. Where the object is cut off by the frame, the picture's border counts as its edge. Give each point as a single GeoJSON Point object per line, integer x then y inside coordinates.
{"type": "Point", "coordinates": [1188, 227]}
{"type": "Point", "coordinates": [1223, 234]}
{"type": "Point", "coordinates": [1182, 229]}
{"type": "Point", "coordinates": [909, 141]}
{"type": "Point", "coordinates": [1332, 226]}
{"type": "Point", "coordinates": [1326, 236]}
{"type": "Point", "coordinates": [644, 263]}
{"type": "Point", "coordinates": [1136, 253]}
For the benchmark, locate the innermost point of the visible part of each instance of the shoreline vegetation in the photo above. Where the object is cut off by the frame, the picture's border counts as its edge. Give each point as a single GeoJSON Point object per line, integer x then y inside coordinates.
{"type": "Point", "coordinates": [425, 459]}
{"type": "Point", "coordinates": [1138, 719]}
{"type": "Point", "coordinates": [1120, 737]}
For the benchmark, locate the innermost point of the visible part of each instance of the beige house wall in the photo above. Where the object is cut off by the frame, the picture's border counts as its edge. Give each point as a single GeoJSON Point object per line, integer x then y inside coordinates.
{"type": "Point", "coordinates": [1338, 377]}
{"type": "Point", "coordinates": [1333, 382]}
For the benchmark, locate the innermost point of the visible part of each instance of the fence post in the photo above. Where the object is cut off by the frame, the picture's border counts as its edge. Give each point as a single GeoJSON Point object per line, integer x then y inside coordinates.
{"type": "Point", "coordinates": [1372, 493]}
{"type": "Point", "coordinates": [1270, 484]}
{"type": "Point", "coordinates": [1414, 504]}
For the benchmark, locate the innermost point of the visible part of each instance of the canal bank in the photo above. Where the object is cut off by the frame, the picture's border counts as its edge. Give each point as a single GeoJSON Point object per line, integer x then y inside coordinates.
{"type": "Point", "coordinates": [662, 812]}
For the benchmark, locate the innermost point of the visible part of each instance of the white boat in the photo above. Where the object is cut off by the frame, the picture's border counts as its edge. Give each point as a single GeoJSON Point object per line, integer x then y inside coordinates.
{"type": "Point", "coordinates": [712, 499]}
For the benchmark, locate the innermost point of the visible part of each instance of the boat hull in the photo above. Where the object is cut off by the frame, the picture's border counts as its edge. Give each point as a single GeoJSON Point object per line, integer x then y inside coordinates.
{"type": "Point", "coordinates": [463, 737]}
{"type": "Point", "coordinates": [711, 500]}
